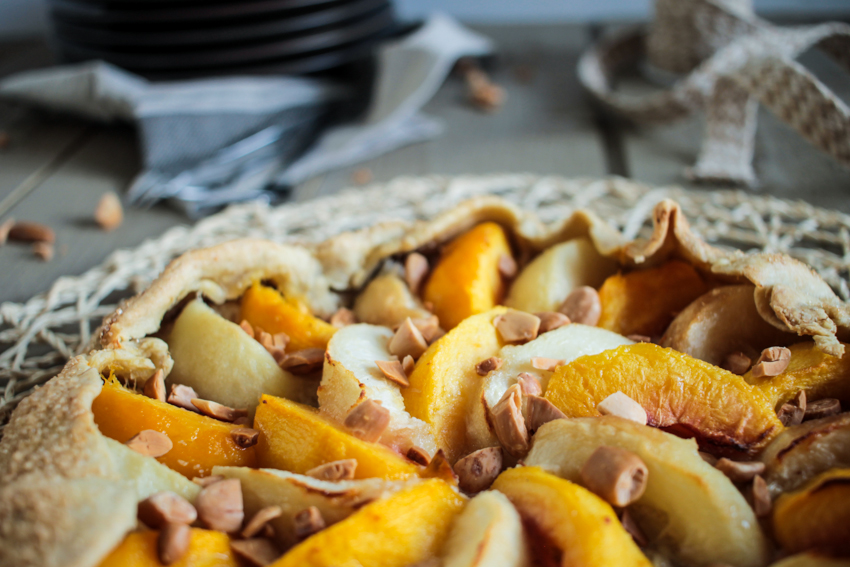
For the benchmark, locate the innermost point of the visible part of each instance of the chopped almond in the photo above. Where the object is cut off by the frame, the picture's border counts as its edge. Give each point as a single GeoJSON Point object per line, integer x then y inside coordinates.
{"type": "Point", "coordinates": [478, 470]}
{"type": "Point", "coordinates": [308, 522]}
{"type": "Point", "coordinates": [182, 396]}
{"type": "Point", "coordinates": [822, 408]}
{"type": "Point", "coordinates": [507, 266]}
{"type": "Point", "coordinates": [549, 364]}
{"type": "Point", "coordinates": [343, 318]}
{"type": "Point", "coordinates": [150, 443]}
{"type": "Point", "coordinates": [109, 213]}
{"type": "Point", "coordinates": [218, 411]}
{"type": "Point", "coordinates": [304, 361]}
{"type": "Point", "coordinates": [790, 414]}
{"type": "Point", "coordinates": [31, 232]}
{"type": "Point", "coordinates": [429, 327]}
{"type": "Point", "coordinates": [762, 503]}
{"type": "Point", "coordinates": [260, 519]}
{"type": "Point", "coordinates": [393, 371]}
{"type": "Point", "coordinates": [737, 363]}
{"type": "Point", "coordinates": [173, 543]}
{"type": "Point", "coordinates": [800, 400]}
{"type": "Point", "coordinates": [639, 338]}
{"type": "Point", "coordinates": [43, 250]}
{"type": "Point", "coordinates": [620, 405]}
{"type": "Point", "coordinates": [529, 385]}
{"type": "Point", "coordinates": [486, 366]}
{"type": "Point", "coordinates": [204, 481]}
{"type": "Point", "coordinates": [550, 320]}
{"type": "Point", "coordinates": [247, 327]}
{"type": "Point", "coordinates": [368, 420]}
{"type": "Point", "coordinates": [408, 365]}
{"type": "Point", "coordinates": [508, 423]}
{"type": "Point", "coordinates": [335, 470]}
{"type": "Point", "coordinates": [772, 362]}
{"type": "Point", "coordinates": [155, 386]}
{"type": "Point", "coordinates": [517, 326]}
{"type": "Point", "coordinates": [415, 271]}
{"type": "Point", "coordinates": [257, 552]}
{"type": "Point", "coordinates": [439, 467]}
{"type": "Point", "coordinates": [408, 341]}
{"type": "Point", "coordinates": [582, 306]}
{"type": "Point", "coordinates": [419, 456]}
{"type": "Point", "coordinates": [220, 505]}
{"type": "Point", "coordinates": [616, 475]}
{"type": "Point", "coordinates": [739, 471]}
{"type": "Point", "coordinates": [274, 344]}
{"type": "Point", "coordinates": [541, 411]}
{"type": "Point", "coordinates": [245, 437]}
{"type": "Point", "coordinates": [166, 508]}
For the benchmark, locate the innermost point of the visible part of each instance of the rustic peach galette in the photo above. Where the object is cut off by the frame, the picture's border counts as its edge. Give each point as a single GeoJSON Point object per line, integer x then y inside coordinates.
{"type": "Point", "coordinates": [477, 390]}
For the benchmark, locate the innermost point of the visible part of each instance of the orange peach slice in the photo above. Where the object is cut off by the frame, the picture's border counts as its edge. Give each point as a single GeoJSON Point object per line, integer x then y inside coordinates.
{"type": "Point", "coordinates": [296, 438]}
{"type": "Point", "coordinates": [398, 531]}
{"type": "Point", "coordinates": [821, 375]}
{"type": "Point", "coordinates": [266, 308]}
{"type": "Point", "coordinates": [206, 549]}
{"type": "Point", "coordinates": [466, 279]}
{"type": "Point", "coordinates": [444, 384]}
{"type": "Point", "coordinates": [679, 393]}
{"type": "Point", "coordinates": [567, 525]}
{"type": "Point", "coordinates": [816, 516]}
{"type": "Point", "coordinates": [644, 302]}
{"type": "Point", "coordinates": [199, 442]}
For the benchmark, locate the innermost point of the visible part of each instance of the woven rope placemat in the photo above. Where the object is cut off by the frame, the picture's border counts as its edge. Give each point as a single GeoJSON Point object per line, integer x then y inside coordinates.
{"type": "Point", "coordinates": [40, 335]}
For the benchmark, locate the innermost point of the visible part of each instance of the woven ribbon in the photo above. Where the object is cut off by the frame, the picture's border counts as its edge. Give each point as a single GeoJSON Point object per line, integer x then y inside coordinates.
{"type": "Point", "coordinates": [733, 61]}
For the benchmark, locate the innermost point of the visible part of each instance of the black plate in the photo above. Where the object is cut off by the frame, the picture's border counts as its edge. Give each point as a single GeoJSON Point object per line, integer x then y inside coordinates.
{"type": "Point", "coordinates": [263, 28]}
{"type": "Point", "coordinates": [243, 54]}
{"type": "Point", "coordinates": [176, 12]}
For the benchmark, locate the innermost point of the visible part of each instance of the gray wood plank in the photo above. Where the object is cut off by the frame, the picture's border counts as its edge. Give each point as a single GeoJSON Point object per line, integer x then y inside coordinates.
{"type": "Point", "coordinates": [786, 165]}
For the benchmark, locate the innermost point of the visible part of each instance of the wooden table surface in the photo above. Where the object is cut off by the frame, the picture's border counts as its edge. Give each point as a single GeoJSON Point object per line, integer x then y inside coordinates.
{"type": "Point", "coordinates": [55, 168]}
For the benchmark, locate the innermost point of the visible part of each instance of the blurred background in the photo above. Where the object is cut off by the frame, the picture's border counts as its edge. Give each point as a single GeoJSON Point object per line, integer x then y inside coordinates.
{"type": "Point", "coordinates": [348, 93]}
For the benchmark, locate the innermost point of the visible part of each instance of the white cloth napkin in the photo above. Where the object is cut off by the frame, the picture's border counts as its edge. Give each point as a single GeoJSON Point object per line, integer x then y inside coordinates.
{"type": "Point", "coordinates": [206, 143]}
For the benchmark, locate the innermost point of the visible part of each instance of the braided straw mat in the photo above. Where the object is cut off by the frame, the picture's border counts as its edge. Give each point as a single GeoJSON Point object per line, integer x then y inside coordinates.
{"type": "Point", "coordinates": [40, 335]}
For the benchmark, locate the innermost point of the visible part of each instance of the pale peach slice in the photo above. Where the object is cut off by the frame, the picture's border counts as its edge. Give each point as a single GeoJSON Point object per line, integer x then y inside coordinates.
{"type": "Point", "coordinates": [444, 385]}
{"type": "Point", "coordinates": [222, 363]}
{"type": "Point", "coordinates": [545, 282]}
{"type": "Point", "coordinates": [147, 475]}
{"type": "Point", "coordinates": [803, 451]}
{"type": "Point", "coordinates": [488, 533]}
{"type": "Point", "coordinates": [679, 393]}
{"type": "Point", "coordinates": [817, 516]}
{"type": "Point", "coordinates": [690, 511]}
{"type": "Point", "coordinates": [387, 300]}
{"type": "Point", "coordinates": [350, 377]}
{"type": "Point", "coordinates": [567, 524]}
{"type": "Point", "coordinates": [402, 530]}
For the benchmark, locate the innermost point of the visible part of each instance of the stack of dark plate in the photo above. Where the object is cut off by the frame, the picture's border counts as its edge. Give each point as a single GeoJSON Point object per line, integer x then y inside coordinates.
{"type": "Point", "coordinates": [188, 38]}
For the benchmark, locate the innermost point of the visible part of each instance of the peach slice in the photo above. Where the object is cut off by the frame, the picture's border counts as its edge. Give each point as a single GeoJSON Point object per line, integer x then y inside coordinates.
{"type": "Point", "coordinates": [720, 322]}
{"type": "Point", "coordinates": [404, 529]}
{"type": "Point", "coordinates": [200, 442]}
{"type": "Point", "coordinates": [466, 279]}
{"type": "Point", "coordinates": [206, 549]}
{"type": "Point", "coordinates": [294, 493]}
{"type": "Point", "coordinates": [690, 510]}
{"type": "Point", "coordinates": [444, 383]}
{"type": "Point", "coordinates": [817, 516]}
{"type": "Point", "coordinates": [223, 364]}
{"type": "Point", "coordinates": [545, 282]}
{"type": "Point", "coordinates": [567, 525]}
{"type": "Point", "coordinates": [387, 300]}
{"type": "Point", "coordinates": [351, 376]}
{"type": "Point", "coordinates": [645, 302]}
{"type": "Point", "coordinates": [803, 451]}
{"type": "Point", "coordinates": [147, 475]}
{"type": "Point", "coordinates": [266, 308]}
{"type": "Point", "coordinates": [680, 393]}
{"type": "Point", "coordinates": [488, 533]}
{"type": "Point", "coordinates": [821, 375]}
{"type": "Point", "coordinates": [297, 438]}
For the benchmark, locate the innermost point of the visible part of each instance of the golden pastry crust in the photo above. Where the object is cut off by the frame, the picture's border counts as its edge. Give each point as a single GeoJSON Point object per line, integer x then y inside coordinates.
{"type": "Point", "coordinates": [61, 503]}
